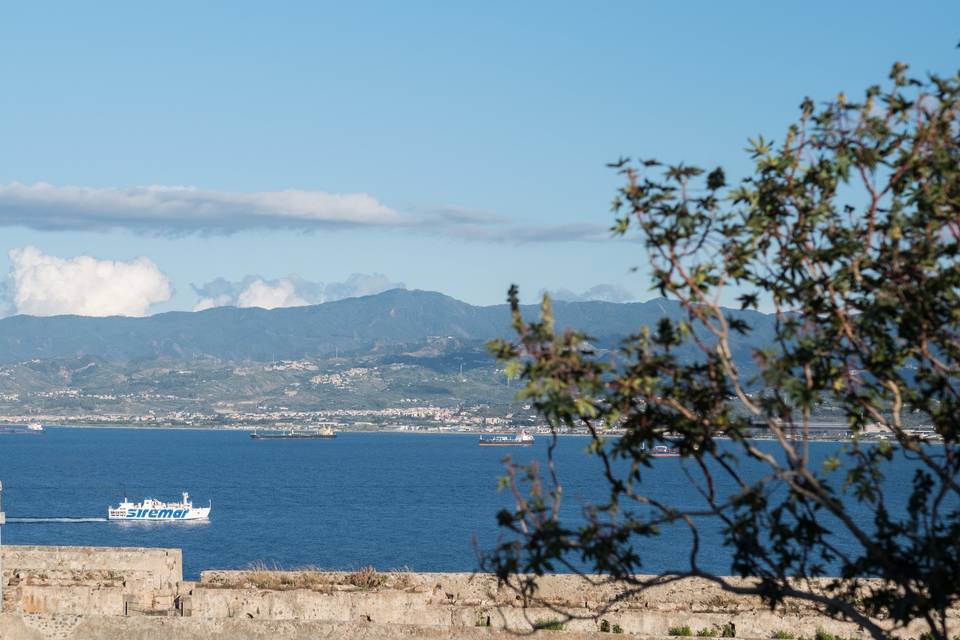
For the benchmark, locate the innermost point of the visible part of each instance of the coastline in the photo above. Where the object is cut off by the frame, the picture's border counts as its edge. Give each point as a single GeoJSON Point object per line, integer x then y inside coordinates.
{"type": "Point", "coordinates": [385, 431]}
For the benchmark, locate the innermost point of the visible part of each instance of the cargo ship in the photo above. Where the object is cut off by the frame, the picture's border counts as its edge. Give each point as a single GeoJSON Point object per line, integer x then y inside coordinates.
{"type": "Point", "coordinates": [33, 428]}
{"type": "Point", "coordinates": [324, 433]}
{"type": "Point", "coordinates": [520, 439]}
{"type": "Point", "coordinates": [151, 509]}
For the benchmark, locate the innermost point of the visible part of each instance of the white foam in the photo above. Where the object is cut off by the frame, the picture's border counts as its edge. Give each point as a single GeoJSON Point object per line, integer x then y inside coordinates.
{"type": "Point", "coordinates": [62, 520]}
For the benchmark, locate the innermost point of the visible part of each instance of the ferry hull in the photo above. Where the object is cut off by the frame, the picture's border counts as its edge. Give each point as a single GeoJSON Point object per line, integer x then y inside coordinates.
{"type": "Point", "coordinates": [159, 515]}
{"type": "Point", "coordinates": [151, 510]}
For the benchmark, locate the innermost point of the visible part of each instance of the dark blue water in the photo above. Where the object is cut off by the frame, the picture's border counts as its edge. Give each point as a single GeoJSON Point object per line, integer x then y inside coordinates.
{"type": "Point", "coordinates": [388, 500]}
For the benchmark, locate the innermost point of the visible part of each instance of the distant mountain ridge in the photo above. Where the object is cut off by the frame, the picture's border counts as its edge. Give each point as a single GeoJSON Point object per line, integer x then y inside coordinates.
{"type": "Point", "coordinates": [395, 317]}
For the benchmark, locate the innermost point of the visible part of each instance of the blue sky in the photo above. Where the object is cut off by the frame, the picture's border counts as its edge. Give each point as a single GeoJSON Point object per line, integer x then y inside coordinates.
{"type": "Point", "coordinates": [503, 112]}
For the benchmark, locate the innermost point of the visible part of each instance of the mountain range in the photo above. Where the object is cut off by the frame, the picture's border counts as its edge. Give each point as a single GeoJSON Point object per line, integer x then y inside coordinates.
{"type": "Point", "coordinates": [393, 318]}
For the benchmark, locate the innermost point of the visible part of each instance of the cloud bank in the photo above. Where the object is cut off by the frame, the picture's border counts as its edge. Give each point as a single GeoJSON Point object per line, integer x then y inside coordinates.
{"type": "Point", "coordinates": [163, 209]}
{"type": "Point", "coordinates": [600, 292]}
{"type": "Point", "coordinates": [43, 285]}
{"type": "Point", "coordinates": [292, 291]}
{"type": "Point", "coordinates": [174, 210]}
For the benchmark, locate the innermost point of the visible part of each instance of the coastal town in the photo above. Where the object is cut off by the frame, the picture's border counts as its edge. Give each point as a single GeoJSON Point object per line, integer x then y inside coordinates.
{"type": "Point", "coordinates": [299, 393]}
{"type": "Point", "coordinates": [417, 418]}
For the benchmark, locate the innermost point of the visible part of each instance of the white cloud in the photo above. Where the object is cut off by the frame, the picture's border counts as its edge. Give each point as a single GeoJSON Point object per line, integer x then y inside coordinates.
{"type": "Point", "coordinates": [292, 291]}
{"type": "Point", "coordinates": [166, 209]}
{"type": "Point", "coordinates": [270, 296]}
{"type": "Point", "coordinates": [601, 292]}
{"type": "Point", "coordinates": [359, 284]}
{"type": "Point", "coordinates": [520, 234]}
{"type": "Point", "coordinates": [222, 300]}
{"type": "Point", "coordinates": [178, 210]}
{"type": "Point", "coordinates": [43, 285]}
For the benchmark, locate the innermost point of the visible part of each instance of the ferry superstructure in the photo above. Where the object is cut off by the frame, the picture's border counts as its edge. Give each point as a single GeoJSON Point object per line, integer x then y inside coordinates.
{"type": "Point", "coordinates": [151, 509]}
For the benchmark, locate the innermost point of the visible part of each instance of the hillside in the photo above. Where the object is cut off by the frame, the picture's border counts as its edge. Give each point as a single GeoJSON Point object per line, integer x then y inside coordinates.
{"type": "Point", "coordinates": [383, 355]}
{"type": "Point", "coordinates": [371, 323]}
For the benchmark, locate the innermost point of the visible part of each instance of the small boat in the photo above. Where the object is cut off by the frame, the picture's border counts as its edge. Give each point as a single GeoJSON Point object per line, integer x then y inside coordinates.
{"type": "Point", "coordinates": [155, 510]}
{"type": "Point", "coordinates": [324, 433]}
{"type": "Point", "coordinates": [520, 439]}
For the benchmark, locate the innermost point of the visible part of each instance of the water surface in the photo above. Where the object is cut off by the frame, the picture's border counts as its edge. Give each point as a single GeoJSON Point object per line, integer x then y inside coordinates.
{"type": "Point", "coordinates": [389, 500]}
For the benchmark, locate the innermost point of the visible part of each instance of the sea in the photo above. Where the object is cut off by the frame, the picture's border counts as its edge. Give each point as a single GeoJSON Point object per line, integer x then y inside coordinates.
{"type": "Point", "coordinates": [420, 502]}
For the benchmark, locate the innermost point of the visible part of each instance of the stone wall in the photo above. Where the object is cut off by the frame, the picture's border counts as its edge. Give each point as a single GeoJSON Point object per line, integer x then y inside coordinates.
{"type": "Point", "coordinates": [76, 600]}
{"type": "Point", "coordinates": [466, 600]}
{"type": "Point", "coordinates": [76, 593]}
{"type": "Point", "coordinates": [48, 627]}
{"type": "Point", "coordinates": [100, 580]}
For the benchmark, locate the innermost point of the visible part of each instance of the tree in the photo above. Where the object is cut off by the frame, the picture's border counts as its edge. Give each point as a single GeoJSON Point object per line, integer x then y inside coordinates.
{"type": "Point", "coordinates": [849, 230]}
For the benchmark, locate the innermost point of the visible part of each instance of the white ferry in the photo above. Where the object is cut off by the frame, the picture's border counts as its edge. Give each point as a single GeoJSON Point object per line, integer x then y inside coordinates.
{"type": "Point", "coordinates": [151, 509]}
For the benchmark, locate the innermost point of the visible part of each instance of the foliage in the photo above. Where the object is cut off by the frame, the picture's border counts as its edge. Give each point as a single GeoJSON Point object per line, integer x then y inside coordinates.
{"type": "Point", "coordinates": [366, 578]}
{"type": "Point", "coordinates": [823, 635]}
{"type": "Point", "coordinates": [849, 230]}
{"type": "Point", "coordinates": [782, 635]}
{"type": "Point", "coordinates": [728, 631]}
{"type": "Point", "coordinates": [683, 631]}
{"type": "Point", "coordinates": [707, 632]}
{"type": "Point", "coordinates": [549, 624]}
{"type": "Point", "coordinates": [260, 575]}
